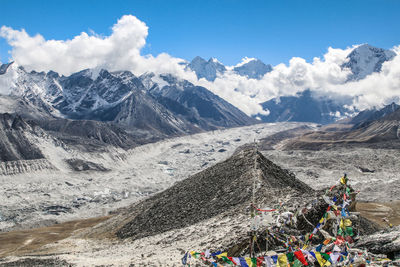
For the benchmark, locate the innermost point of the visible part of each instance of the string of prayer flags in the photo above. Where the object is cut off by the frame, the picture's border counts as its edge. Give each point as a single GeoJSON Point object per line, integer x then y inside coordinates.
{"type": "Point", "coordinates": [332, 251]}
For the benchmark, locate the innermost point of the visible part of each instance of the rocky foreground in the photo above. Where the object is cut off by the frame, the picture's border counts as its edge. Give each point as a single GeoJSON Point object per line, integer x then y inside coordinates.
{"type": "Point", "coordinates": [211, 211]}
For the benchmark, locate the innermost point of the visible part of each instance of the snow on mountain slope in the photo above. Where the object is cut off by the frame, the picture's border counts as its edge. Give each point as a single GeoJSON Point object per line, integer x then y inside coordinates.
{"type": "Point", "coordinates": [252, 68]}
{"type": "Point", "coordinates": [366, 59]}
{"type": "Point", "coordinates": [194, 103]}
{"type": "Point", "coordinates": [249, 67]}
{"type": "Point", "coordinates": [121, 97]}
{"type": "Point", "coordinates": [206, 69]}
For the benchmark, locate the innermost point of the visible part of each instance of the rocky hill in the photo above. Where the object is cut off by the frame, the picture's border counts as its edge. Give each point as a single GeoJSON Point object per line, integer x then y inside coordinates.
{"type": "Point", "coordinates": [225, 188]}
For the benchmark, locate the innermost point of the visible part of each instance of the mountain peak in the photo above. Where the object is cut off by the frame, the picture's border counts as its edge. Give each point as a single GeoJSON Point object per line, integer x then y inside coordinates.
{"type": "Point", "coordinates": [252, 68]}
{"type": "Point", "coordinates": [206, 69]}
{"type": "Point", "coordinates": [4, 67]}
{"type": "Point", "coordinates": [366, 59]}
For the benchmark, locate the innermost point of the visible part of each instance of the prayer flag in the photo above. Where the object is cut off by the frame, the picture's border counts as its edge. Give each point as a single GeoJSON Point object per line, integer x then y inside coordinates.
{"type": "Point", "coordinates": [184, 259]}
{"type": "Point", "coordinates": [282, 260]}
{"type": "Point", "coordinates": [299, 255]}
{"type": "Point", "coordinates": [269, 261]}
{"type": "Point", "coordinates": [243, 262]}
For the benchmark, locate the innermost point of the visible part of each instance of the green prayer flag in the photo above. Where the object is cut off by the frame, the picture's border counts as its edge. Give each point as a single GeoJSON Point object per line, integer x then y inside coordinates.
{"type": "Point", "coordinates": [349, 231]}
{"type": "Point", "coordinates": [225, 259]}
{"type": "Point", "coordinates": [326, 256]}
{"type": "Point", "coordinates": [290, 256]}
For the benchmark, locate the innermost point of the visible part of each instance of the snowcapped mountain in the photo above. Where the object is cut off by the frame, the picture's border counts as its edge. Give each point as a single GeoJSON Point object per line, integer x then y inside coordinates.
{"type": "Point", "coordinates": [304, 107]}
{"type": "Point", "coordinates": [206, 69]}
{"type": "Point", "coordinates": [366, 59]}
{"type": "Point", "coordinates": [194, 103]}
{"type": "Point", "coordinates": [253, 68]}
{"type": "Point", "coordinates": [123, 99]}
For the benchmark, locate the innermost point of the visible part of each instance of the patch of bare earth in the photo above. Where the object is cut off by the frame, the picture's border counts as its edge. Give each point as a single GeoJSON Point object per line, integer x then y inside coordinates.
{"type": "Point", "coordinates": [381, 213]}
{"type": "Point", "coordinates": [28, 242]}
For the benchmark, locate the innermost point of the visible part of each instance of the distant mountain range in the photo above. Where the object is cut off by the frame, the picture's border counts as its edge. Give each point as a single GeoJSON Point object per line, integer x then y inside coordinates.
{"type": "Point", "coordinates": [308, 106]}
{"type": "Point", "coordinates": [304, 107]}
{"type": "Point", "coordinates": [121, 109]}
{"type": "Point", "coordinates": [148, 107]}
{"type": "Point", "coordinates": [253, 68]}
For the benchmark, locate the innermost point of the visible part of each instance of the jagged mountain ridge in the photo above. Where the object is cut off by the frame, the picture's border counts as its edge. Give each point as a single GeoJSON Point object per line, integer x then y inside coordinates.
{"type": "Point", "coordinates": [118, 97]}
{"type": "Point", "coordinates": [194, 103]}
{"type": "Point", "coordinates": [206, 69]}
{"type": "Point", "coordinates": [252, 68]}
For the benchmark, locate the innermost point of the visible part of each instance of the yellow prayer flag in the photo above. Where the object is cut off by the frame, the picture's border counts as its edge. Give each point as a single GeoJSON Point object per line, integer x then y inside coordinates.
{"type": "Point", "coordinates": [282, 260]}
{"type": "Point", "coordinates": [341, 225]}
{"type": "Point", "coordinates": [225, 254]}
{"type": "Point", "coordinates": [249, 262]}
{"type": "Point", "coordinates": [347, 222]}
{"type": "Point", "coordinates": [322, 262]}
{"type": "Point", "coordinates": [322, 220]}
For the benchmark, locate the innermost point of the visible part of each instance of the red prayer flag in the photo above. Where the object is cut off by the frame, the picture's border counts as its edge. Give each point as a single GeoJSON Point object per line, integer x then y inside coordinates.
{"type": "Point", "coordinates": [260, 261]}
{"type": "Point", "coordinates": [299, 255]}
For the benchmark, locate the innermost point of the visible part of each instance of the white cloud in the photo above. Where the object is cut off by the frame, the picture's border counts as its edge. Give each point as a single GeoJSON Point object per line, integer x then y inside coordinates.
{"type": "Point", "coordinates": [121, 51]}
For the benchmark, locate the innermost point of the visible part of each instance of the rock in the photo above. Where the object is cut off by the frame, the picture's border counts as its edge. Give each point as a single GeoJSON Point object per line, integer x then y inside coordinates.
{"type": "Point", "coordinates": [365, 170]}
{"type": "Point", "coordinates": [83, 165]}
{"type": "Point", "coordinates": [220, 188]}
{"type": "Point", "coordinates": [56, 209]}
{"type": "Point", "coordinates": [383, 242]}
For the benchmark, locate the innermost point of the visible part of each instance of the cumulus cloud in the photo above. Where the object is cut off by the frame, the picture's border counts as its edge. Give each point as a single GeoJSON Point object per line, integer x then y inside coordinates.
{"type": "Point", "coordinates": [289, 79]}
{"type": "Point", "coordinates": [121, 50]}
{"type": "Point", "coordinates": [377, 89]}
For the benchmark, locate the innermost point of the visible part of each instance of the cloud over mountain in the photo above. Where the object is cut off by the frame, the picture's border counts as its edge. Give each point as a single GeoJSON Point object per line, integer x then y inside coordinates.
{"type": "Point", "coordinates": [121, 50]}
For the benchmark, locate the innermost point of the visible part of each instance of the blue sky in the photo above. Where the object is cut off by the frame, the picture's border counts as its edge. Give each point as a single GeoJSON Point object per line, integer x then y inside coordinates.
{"type": "Point", "coordinates": [273, 31]}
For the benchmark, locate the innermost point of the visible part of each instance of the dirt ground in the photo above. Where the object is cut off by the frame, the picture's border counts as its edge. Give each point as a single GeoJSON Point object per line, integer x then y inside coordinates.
{"type": "Point", "coordinates": [18, 243]}
{"type": "Point", "coordinates": [376, 212]}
